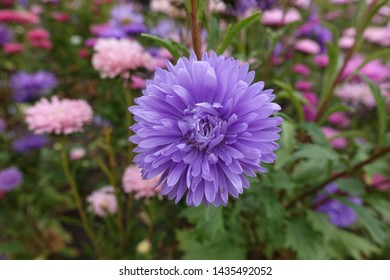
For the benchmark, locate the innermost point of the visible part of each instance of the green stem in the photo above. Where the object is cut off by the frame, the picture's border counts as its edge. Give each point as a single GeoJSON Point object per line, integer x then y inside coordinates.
{"type": "Point", "coordinates": [77, 198]}
{"type": "Point", "coordinates": [129, 118]}
{"type": "Point", "coordinates": [113, 178]}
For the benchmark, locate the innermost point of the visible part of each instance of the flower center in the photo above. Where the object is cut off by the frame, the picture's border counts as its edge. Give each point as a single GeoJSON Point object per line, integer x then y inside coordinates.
{"type": "Point", "coordinates": [202, 126]}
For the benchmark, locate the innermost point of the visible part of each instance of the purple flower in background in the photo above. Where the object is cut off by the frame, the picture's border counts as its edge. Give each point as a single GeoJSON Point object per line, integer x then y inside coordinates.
{"type": "Point", "coordinates": [30, 142]}
{"type": "Point", "coordinates": [125, 17]}
{"type": "Point", "coordinates": [314, 30]}
{"type": "Point", "coordinates": [10, 178]}
{"type": "Point", "coordinates": [101, 122]}
{"type": "Point", "coordinates": [29, 86]}
{"type": "Point", "coordinates": [338, 213]}
{"type": "Point", "coordinates": [2, 125]}
{"type": "Point", "coordinates": [203, 126]}
{"type": "Point", "coordinates": [5, 35]}
{"type": "Point", "coordinates": [242, 6]}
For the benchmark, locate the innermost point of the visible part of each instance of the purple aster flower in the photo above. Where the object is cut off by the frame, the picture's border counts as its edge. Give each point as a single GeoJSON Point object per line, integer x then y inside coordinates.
{"type": "Point", "coordinates": [2, 125]}
{"type": "Point", "coordinates": [30, 142]}
{"type": "Point", "coordinates": [101, 122]}
{"type": "Point", "coordinates": [314, 30]}
{"type": "Point", "coordinates": [28, 86]}
{"type": "Point", "coordinates": [112, 32]}
{"type": "Point", "coordinates": [203, 126]}
{"type": "Point", "coordinates": [242, 6]}
{"type": "Point", "coordinates": [125, 17]}
{"type": "Point", "coordinates": [338, 213]}
{"type": "Point", "coordinates": [10, 178]}
{"type": "Point", "coordinates": [5, 35]}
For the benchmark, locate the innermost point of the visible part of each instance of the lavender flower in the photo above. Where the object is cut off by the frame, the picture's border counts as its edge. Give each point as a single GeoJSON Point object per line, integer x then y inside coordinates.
{"type": "Point", "coordinates": [338, 213]}
{"type": "Point", "coordinates": [5, 35]}
{"type": "Point", "coordinates": [203, 127]}
{"type": "Point", "coordinates": [2, 125]}
{"type": "Point", "coordinates": [242, 6]}
{"type": "Point", "coordinates": [30, 142]}
{"type": "Point", "coordinates": [125, 17]}
{"type": "Point", "coordinates": [314, 30]}
{"type": "Point", "coordinates": [10, 178]}
{"type": "Point", "coordinates": [28, 86]}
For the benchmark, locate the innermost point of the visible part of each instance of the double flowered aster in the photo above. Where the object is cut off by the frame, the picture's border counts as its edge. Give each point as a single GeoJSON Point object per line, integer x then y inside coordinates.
{"type": "Point", "coordinates": [29, 86]}
{"type": "Point", "coordinates": [203, 126]}
{"type": "Point", "coordinates": [57, 116]}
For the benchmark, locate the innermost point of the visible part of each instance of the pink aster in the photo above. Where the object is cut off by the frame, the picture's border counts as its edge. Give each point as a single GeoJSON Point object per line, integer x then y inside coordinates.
{"type": "Point", "coordinates": [337, 143]}
{"type": "Point", "coordinates": [301, 69]}
{"type": "Point", "coordinates": [356, 93]}
{"type": "Point", "coordinates": [277, 17]}
{"type": "Point", "coordinates": [307, 46]}
{"type": "Point", "coordinates": [57, 116]}
{"type": "Point", "coordinates": [321, 60]}
{"type": "Point", "coordinates": [114, 57]}
{"type": "Point", "coordinates": [12, 48]}
{"type": "Point", "coordinates": [379, 182]}
{"type": "Point", "coordinates": [378, 35]}
{"type": "Point", "coordinates": [373, 70]}
{"type": "Point", "coordinates": [346, 42]}
{"type": "Point", "coordinates": [339, 119]}
{"type": "Point", "coordinates": [133, 182]}
{"type": "Point", "coordinates": [18, 17]}
{"type": "Point", "coordinates": [103, 201]}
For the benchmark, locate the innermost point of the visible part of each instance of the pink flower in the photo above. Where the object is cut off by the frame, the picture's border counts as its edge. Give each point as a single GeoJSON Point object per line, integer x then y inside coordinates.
{"type": "Point", "coordinates": [303, 85]}
{"type": "Point", "coordinates": [58, 116]}
{"type": "Point", "coordinates": [301, 69]}
{"type": "Point", "coordinates": [378, 35]}
{"type": "Point", "coordinates": [60, 17]}
{"type": "Point", "coordinates": [276, 17]}
{"type": "Point", "coordinates": [77, 153]}
{"type": "Point", "coordinates": [115, 57]}
{"type": "Point", "coordinates": [310, 110]}
{"type": "Point", "coordinates": [379, 182]}
{"type": "Point", "coordinates": [321, 60]}
{"type": "Point", "coordinates": [103, 201]}
{"type": "Point", "coordinates": [18, 17]}
{"type": "Point", "coordinates": [133, 182]}
{"type": "Point", "coordinates": [337, 143]}
{"type": "Point", "coordinates": [84, 53]}
{"type": "Point", "coordinates": [346, 42]}
{"type": "Point", "coordinates": [307, 46]}
{"type": "Point", "coordinates": [374, 70]}
{"type": "Point", "coordinates": [12, 48]}
{"type": "Point", "coordinates": [167, 7]}
{"type": "Point", "coordinates": [39, 38]}
{"type": "Point", "coordinates": [356, 93]}
{"type": "Point", "coordinates": [339, 119]}
{"type": "Point", "coordinates": [137, 82]}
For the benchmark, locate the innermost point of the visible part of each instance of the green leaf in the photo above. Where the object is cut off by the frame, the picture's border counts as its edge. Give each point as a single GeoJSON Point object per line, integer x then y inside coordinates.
{"type": "Point", "coordinates": [381, 109]}
{"type": "Point", "coordinates": [208, 221]}
{"type": "Point", "coordinates": [331, 71]}
{"type": "Point", "coordinates": [304, 240]}
{"type": "Point", "coordinates": [287, 138]}
{"type": "Point", "coordinates": [312, 151]}
{"type": "Point", "coordinates": [338, 107]}
{"type": "Point", "coordinates": [232, 32]}
{"type": "Point", "coordinates": [340, 241]}
{"type": "Point", "coordinates": [352, 186]}
{"type": "Point", "coordinates": [163, 43]}
{"type": "Point", "coordinates": [221, 248]}
{"type": "Point", "coordinates": [316, 134]}
{"type": "Point", "coordinates": [380, 205]}
{"type": "Point", "coordinates": [368, 218]}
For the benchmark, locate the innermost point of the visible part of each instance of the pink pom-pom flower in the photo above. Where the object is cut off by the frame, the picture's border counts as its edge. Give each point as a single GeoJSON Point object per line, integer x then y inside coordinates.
{"type": "Point", "coordinates": [103, 202]}
{"type": "Point", "coordinates": [133, 182]}
{"type": "Point", "coordinates": [114, 57]}
{"type": "Point", "coordinates": [57, 116]}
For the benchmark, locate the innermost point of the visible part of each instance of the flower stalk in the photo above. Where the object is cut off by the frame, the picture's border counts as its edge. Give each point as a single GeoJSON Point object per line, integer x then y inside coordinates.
{"type": "Point", "coordinates": [195, 30]}
{"type": "Point", "coordinates": [78, 201]}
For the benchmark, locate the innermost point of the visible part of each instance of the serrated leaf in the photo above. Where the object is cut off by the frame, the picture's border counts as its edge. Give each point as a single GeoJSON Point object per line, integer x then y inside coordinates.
{"type": "Point", "coordinates": [380, 205]}
{"type": "Point", "coordinates": [368, 218]}
{"type": "Point", "coordinates": [232, 32]}
{"type": "Point", "coordinates": [316, 134]}
{"type": "Point", "coordinates": [352, 186]}
{"type": "Point", "coordinates": [208, 221]}
{"type": "Point", "coordinates": [221, 248]}
{"type": "Point", "coordinates": [304, 240]}
{"type": "Point", "coordinates": [311, 151]}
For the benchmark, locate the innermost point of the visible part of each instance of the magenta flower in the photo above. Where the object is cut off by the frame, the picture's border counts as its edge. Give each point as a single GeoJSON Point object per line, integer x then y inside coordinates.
{"type": "Point", "coordinates": [203, 125]}
{"type": "Point", "coordinates": [58, 116]}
